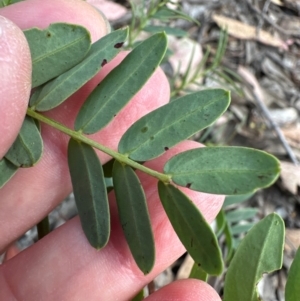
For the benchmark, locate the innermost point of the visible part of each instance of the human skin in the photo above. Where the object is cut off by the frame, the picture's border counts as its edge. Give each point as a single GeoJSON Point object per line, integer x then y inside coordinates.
{"type": "Point", "coordinates": [63, 266]}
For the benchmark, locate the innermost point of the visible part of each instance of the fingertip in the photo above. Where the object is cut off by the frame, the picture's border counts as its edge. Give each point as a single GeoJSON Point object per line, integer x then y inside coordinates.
{"type": "Point", "coordinates": [15, 84]}
{"type": "Point", "coordinates": [187, 289]}
{"type": "Point", "coordinates": [41, 13]}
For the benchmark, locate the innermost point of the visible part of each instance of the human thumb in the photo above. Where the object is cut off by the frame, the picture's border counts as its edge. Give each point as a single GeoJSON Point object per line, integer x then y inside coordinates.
{"type": "Point", "coordinates": [15, 81]}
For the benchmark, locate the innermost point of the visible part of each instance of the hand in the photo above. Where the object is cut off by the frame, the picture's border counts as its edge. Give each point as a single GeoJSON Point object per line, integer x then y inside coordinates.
{"type": "Point", "coordinates": [63, 266]}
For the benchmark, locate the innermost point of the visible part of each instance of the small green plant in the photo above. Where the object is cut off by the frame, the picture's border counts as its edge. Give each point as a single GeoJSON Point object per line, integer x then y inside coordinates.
{"type": "Point", "coordinates": [261, 251]}
{"type": "Point", "coordinates": [234, 223]}
{"type": "Point", "coordinates": [292, 290]}
{"type": "Point", "coordinates": [207, 68]}
{"type": "Point", "coordinates": [154, 16]}
{"type": "Point", "coordinates": [63, 61]}
{"type": "Point", "coordinates": [258, 253]}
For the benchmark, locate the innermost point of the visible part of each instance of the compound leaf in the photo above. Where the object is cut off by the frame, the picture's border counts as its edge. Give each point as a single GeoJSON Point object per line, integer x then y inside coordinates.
{"type": "Point", "coordinates": [63, 86]}
{"type": "Point", "coordinates": [223, 170]}
{"type": "Point", "coordinates": [134, 216]}
{"type": "Point", "coordinates": [56, 49]}
{"type": "Point", "coordinates": [192, 229]}
{"type": "Point", "coordinates": [292, 288]}
{"type": "Point", "coordinates": [259, 252]}
{"type": "Point", "coordinates": [27, 149]}
{"type": "Point", "coordinates": [90, 192]}
{"type": "Point", "coordinates": [7, 170]}
{"type": "Point", "coordinates": [121, 84]}
{"type": "Point", "coordinates": [176, 121]}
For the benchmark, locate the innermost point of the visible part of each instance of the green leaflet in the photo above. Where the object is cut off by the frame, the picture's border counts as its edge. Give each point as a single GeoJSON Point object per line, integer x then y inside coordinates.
{"type": "Point", "coordinates": [139, 297]}
{"type": "Point", "coordinates": [259, 252]}
{"type": "Point", "coordinates": [38, 125]}
{"type": "Point", "coordinates": [7, 170]}
{"type": "Point", "coordinates": [234, 199]}
{"type": "Point", "coordinates": [120, 85]}
{"type": "Point", "coordinates": [223, 170]}
{"type": "Point", "coordinates": [168, 30]}
{"type": "Point", "coordinates": [4, 3]}
{"type": "Point", "coordinates": [225, 225]}
{"type": "Point", "coordinates": [241, 214]}
{"type": "Point", "coordinates": [27, 149]}
{"type": "Point", "coordinates": [292, 288]}
{"type": "Point", "coordinates": [239, 229]}
{"type": "Point", "coordinates": [198, 273]}
{"type": "Point", "coordinates": [165, 14]}
{"type": "Point", "coordinates": [35, 95]}
{"type": "Point", "coordinates": [56, 49]}
{"type": "Point", "coordinates": [60, 88]}
{"type": "Point", "coordinates": [178, 120]}
{"type": "Point", "coordinates": [107, 168]}
{"type": "Point", "coordinates": [134, 216]}
{"type": "Point", "coordinates": [230, 242]}
{"type": "Point", "coordinates": [221, 223]}
{"type": "Point", "coordinates": [192, 229]}
{"type": "Point", "coordinates": [90, 192]}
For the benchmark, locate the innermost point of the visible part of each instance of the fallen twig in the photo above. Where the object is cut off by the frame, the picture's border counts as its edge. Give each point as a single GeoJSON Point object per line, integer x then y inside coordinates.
{"type": "Point", "coordinates": [271, 22]}
{"type": "Point", "coordinates": [267, 115]}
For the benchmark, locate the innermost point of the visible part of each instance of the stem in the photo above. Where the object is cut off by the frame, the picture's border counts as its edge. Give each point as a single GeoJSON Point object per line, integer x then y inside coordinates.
{"type": "Point", "coordinates": [43, 227]}
{"type": "Point", "coordinates": [80, 137]}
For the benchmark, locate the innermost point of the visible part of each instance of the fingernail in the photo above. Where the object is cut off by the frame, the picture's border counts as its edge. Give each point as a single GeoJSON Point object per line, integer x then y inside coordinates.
{"type": "Point", "coordinates": [107, 24]}
{"type": "Point", "coordinates": [105, 19]}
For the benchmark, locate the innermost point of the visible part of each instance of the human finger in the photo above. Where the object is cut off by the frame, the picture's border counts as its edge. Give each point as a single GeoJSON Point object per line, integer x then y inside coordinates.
{"type": "Point", "coordinates": [185, 290]}
{"type": "Point", "coordinates": [15, 84]}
